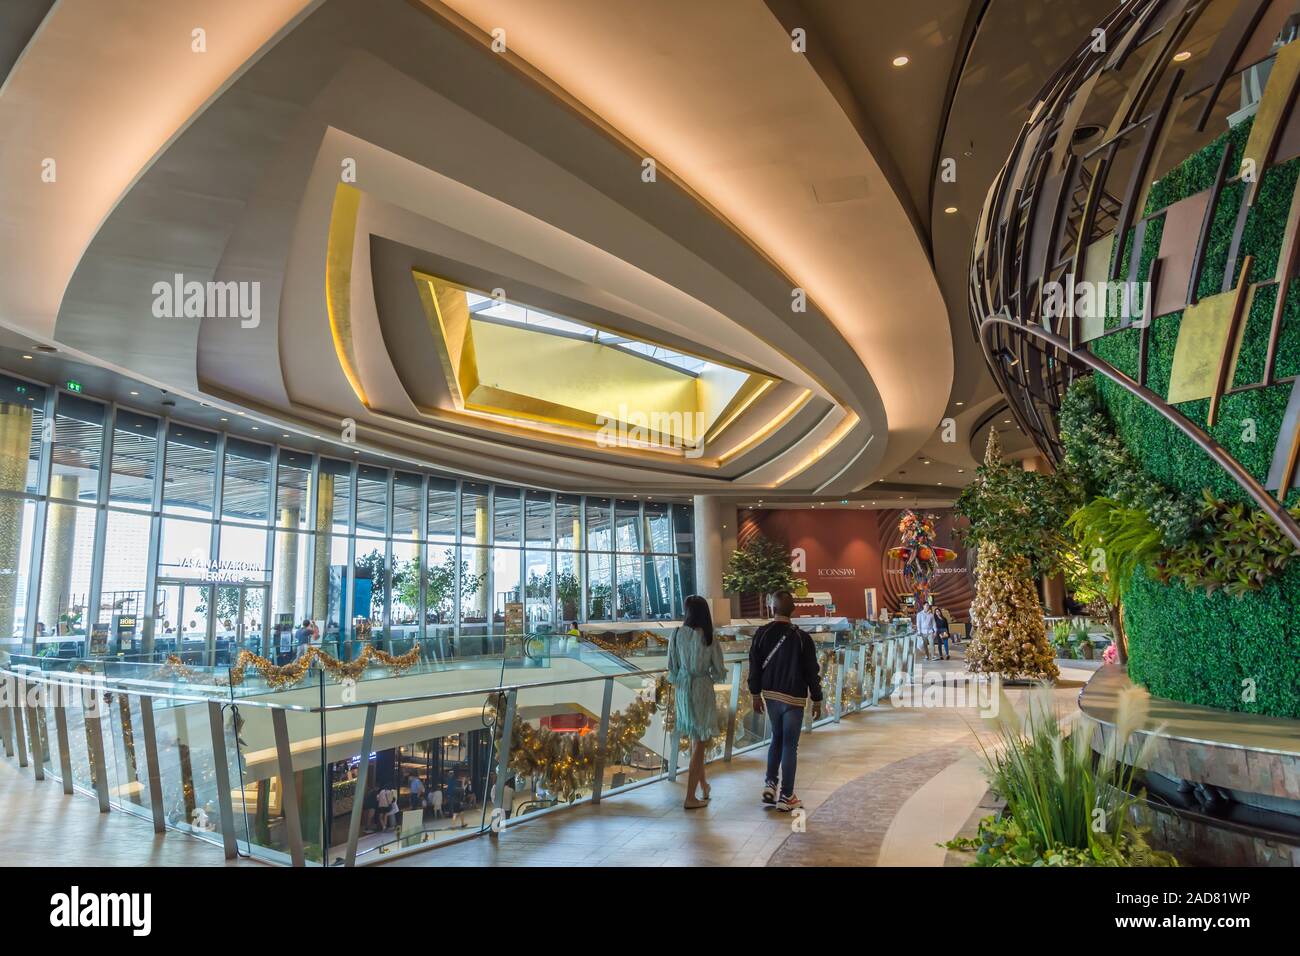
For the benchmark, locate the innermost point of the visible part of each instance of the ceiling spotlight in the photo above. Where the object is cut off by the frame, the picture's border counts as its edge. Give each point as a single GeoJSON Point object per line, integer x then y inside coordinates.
{"type": "Point", "coordinates": [135, 393]}
{"type": "Point", "coordinates": [225, 419]}
{"type": "Point", "coordinates": [950, 210]}
{"type": "Point", "coordinates": [960, 404]}
{"type": "Point", "coordinates": [27, 357]}
{"type": "Point", "coordinates": [1182, 56]}
{"type": "Point", "coordinates": [901, 60]}
{"type": "Point", "coordinates": [1006, 421]}
{"type": "Point", "coordinates": [254, 428]}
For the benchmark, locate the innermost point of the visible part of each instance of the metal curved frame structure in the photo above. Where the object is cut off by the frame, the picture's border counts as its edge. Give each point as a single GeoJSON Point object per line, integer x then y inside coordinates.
{"type": "Point", "coordinates": [1050, 204]}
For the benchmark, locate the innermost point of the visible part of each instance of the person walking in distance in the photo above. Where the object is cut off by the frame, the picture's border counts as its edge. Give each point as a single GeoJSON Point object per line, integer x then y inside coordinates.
{"type": "Point", "coordinates": [783, 677]}
{"type": "Point", "coordinates": [925, 629]}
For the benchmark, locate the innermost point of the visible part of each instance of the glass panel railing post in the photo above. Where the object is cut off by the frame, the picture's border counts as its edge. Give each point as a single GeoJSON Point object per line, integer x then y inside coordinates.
{"type": "Point", "coordinates": [16, 712]}
{"type": "Point", "coordinates": [362, 787]}
{"type": "Point", "coordinates": [61, 729]}
{"type": "Point", "coordinates": [733, 706]}
{"type": "Point", "coordinates": [602, 741]}
{"type": "Point", "coordinates": [152, 766]}
{"type": "Point", "coordinates": [841, 660]}
{"type": "Point", "coordinates": [221, 770]}
{"type": "Point", "coordinates": [288, 786]}
{"type": "Point", "coordinates": [33, 729]}
{"type": "Point", "coordinates": [6, 722]}
{"type": "Point", "coordinates": [95, 715]}
{"type": "Point", "coordinates": [863, 654]}
{"type": "Point", "coordinates": [503, 762]}
{"type": "Point", "coordinates": [673, 740]}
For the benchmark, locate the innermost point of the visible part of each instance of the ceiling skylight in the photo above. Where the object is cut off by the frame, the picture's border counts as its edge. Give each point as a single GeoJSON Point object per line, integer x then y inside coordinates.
{"type": "Point", "coordinates": [481, 306]}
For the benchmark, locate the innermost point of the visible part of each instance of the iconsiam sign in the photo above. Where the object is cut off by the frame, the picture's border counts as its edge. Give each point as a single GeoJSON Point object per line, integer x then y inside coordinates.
{"type": "Point", "coordinates": [921, 557]}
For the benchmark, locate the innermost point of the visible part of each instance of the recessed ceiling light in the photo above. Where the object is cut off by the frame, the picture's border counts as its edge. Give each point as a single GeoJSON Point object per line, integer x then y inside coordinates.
{"type": "Point", "coordinates": [286, 436]}
{"type": "Point", "coordinates": [1182, 56]}
{"type": "Point", "coordinates": [960, 404]}
{"type": "Point", "coordinates": [925, 461]}
{"type": "Point", "coordinates": [239, 413]}
{"type": "Point", "coordinates": [27, 357]}
{"type": "Point", "coordinates": [225, 419]}
{"type": "Point", "coordinates": [901, 60]}
{"type": "Point", "coordinates": [961, 471]}
{"type": "Point", "coordinates": [950, 210]}
{"type": "Point", "coordinates": [254, 428]}
{"type": "Point", "coordinates": [135, 393]}
{"type": "Point", "coordinates": [1006, 421]}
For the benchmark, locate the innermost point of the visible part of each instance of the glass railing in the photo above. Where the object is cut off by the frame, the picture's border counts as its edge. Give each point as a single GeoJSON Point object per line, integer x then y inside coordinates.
{"type": "Point", "coordinates": [336, 760]}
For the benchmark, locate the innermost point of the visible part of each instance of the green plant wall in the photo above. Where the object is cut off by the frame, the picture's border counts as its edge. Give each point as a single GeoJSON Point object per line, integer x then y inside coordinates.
{"type": "Point", "coordinates": [1232, 653]}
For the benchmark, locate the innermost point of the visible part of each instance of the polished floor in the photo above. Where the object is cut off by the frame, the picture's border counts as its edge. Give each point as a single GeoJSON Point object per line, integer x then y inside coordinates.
{"type": "Point", "coordinates": [880, 788]}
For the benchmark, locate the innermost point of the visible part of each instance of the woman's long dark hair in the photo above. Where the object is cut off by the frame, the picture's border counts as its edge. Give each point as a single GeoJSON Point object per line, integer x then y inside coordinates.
{"type": "Point", "coordinates": [699, 616]}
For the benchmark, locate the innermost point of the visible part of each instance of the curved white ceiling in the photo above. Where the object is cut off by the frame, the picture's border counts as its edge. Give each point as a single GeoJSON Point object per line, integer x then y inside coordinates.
{"type": "Point", "coordinates": [204, 162]}
{"type": "Point", "coordinates": [716, 92]}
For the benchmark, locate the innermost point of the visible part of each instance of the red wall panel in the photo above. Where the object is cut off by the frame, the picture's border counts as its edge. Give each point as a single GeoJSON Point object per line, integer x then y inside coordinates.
{"type": "Point", "coordinates": [839, 540]}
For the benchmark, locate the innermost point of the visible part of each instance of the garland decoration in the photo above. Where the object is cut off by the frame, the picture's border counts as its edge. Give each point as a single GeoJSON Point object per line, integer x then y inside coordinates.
{"type": "Point", "coordinates": [565, 763]}
{"type": "Point", "coordinates": [623, 648]}
{"type": "Point", "coordinates": [282, 676]}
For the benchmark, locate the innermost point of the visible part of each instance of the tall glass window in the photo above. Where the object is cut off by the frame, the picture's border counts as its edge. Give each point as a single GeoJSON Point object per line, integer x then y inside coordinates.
{"type": "Point", "coordinates": [627, 526]}
{"type": "Point", "coordinates": [659, 531]}
{"type": "Point", "coordinates": [333, 496]}
{"type": "Point", "coordinates": [22, 422]}
{"type": "Point", "coordinates": [78, 447]}
{"type": "Point", "coordinates": [416, 554]}
{"type": "Point", "coordinates": [683, 529]}
{"type": "Point", "coordinates": [65, 572]}
{"type": "Point", "coordinates": [505, 516]}
{"type": "Point", "coordinates": [135, 460]}
{"type": "Point", "coordinates": [291, 495]}
{"type": "Point", "coordinates": [123, 588]}
{"type": "Point", "coordinates": [246, 484]}
{"type": "Point", "coordinates": [442, 510]}
{"type": "Point", "coordinates": [372, 500]}
{"type": "Point", "coordinates": [473, 513]}
{"type": "Point", "coordinates": [568, 558]}
{"type": "Point", "coordinates": [189, 482]}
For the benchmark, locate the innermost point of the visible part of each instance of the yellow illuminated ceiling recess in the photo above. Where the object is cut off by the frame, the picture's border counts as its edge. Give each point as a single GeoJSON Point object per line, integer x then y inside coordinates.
{"type": "Point", "coordinates": [510, 361]}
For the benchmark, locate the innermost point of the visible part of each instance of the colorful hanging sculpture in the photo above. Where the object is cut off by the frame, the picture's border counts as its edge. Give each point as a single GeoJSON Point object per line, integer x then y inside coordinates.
{"type": "Point", "coordinates": [920, 556]}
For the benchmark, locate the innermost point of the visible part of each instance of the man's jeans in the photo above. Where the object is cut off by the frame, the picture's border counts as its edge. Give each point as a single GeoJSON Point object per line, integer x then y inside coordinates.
{"type": "Point", "coordinates": [783, 753]}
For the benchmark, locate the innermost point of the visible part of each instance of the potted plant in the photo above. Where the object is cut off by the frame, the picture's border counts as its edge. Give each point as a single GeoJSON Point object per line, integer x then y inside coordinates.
{"type": "Point", "coordinates": [761, 567]}
{"type": "Point", "coordinates": [1061, 638]}
{"type": "Point", "coordinates": [1082, 640]}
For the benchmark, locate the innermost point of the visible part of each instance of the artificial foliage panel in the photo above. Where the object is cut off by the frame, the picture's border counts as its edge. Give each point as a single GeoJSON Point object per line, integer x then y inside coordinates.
{"type": "Point", "coordinates": [1200, 221]}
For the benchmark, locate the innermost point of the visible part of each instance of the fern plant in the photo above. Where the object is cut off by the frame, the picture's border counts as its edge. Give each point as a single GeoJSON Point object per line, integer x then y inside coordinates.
{"type": "Point", "coordinates": [1120, 539]}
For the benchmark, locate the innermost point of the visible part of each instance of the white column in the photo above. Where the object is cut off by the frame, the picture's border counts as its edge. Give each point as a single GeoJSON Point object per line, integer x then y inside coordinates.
{"type": "Point", "coordinates": [709, 561]}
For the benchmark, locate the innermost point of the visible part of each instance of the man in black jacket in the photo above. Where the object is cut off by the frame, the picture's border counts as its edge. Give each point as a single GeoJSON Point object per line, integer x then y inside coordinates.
{"type": "Point", "coordinates": [783, 676]}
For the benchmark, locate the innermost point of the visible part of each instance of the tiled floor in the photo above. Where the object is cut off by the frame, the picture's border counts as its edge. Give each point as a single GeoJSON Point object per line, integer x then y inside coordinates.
{"type": "Point", "coordinates": [641, 827]}
{"type": "Point", "coordinates": [44, 827]}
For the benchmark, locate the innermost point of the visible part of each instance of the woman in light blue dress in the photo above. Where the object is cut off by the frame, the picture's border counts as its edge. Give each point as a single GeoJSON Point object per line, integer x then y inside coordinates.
{"type": "Point", "coordinates": [694, 666]}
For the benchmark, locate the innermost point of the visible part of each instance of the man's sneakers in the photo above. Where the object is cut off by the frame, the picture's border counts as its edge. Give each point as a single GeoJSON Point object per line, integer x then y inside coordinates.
{"type": "Point", "coordinates": [789, 803]}
{"type": "Point", "coordinates": [769, 793]}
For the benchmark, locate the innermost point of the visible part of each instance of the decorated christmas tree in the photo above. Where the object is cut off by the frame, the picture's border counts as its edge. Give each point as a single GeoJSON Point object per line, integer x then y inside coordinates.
{"type": "Point", "coordinates": [1010, 638]}
{"type": "Point", "coordinates": [1010, 635]}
